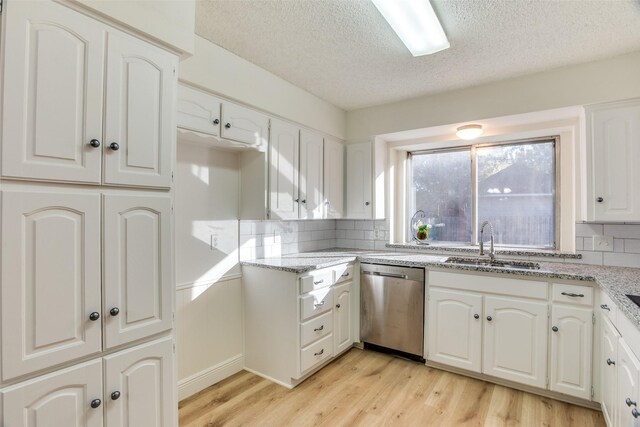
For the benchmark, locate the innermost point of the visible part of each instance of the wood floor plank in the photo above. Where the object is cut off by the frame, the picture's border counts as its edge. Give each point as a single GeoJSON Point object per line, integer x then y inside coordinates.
{"type": "Point", "coordinates": [365, 388]}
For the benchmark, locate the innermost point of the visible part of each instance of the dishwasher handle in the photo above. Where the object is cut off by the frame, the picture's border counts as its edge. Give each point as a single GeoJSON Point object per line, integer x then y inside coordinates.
{"type": "Point", "coordinates": [394, 275]}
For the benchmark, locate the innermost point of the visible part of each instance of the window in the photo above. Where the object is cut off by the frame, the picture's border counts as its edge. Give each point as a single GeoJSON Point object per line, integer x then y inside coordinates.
{"type": "Point", "coordinates": [512, 185]}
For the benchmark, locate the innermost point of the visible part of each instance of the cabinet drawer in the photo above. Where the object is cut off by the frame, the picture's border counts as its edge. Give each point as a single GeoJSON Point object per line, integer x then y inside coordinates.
{"type": "Point", "coordinates": [316, 353]}
{"type": "Point", "coordinates": [316, 302]}
{"type": "Point", "coordinates": [608, 308]}
{"type": "Point", "coordinates": [316, 280]}
{"type": "Point", "coordinates": [343, 273]}
{"type": "Point", "coordinates": [573, 294]}
{"type": "Point", "coordinates": [316, 328]}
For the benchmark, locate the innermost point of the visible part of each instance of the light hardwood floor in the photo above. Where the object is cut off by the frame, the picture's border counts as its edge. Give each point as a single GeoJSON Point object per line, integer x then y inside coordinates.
{"type": "Point", "coordinates": [365, 388]}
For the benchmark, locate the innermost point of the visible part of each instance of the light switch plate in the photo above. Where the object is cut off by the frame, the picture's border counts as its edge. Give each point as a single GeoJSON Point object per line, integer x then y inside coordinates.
{"type": "Point", "coordinates": [602, 243]}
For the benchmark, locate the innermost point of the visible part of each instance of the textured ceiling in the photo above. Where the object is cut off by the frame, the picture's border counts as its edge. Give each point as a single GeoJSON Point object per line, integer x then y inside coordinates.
{"type": "Point", "coordinates": [344, 52]}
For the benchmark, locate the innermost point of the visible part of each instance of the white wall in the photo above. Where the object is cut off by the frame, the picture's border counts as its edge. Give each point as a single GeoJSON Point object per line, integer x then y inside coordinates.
{"type": "Point", "coordinates": [600, 81]}
{"type": "Point", "coordinates": [170, 21]}
{"type": "Point", "coordinates": [219, 70]}
{"type": "Point", "coordinates": [209, 290]}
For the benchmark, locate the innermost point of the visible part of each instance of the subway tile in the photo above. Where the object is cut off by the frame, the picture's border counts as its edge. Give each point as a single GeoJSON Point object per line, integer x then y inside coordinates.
{"type": "Point", "coordinates": [304, 236]}
{"type": "Point", "coordinates": [355, 234]}
{"type": "Point", "coordinates": [632, 246]}
{"type": "Point", "coordinates": [345, 243]}
{"type": "Point", "coordinates": [621, 260]}
{"type": "Point", "coordinates": [618, 245]}
{"type": "Point", "coordinates": [364, 225]}
{"type": "Point", "coordinates": [626, 231]}
{"type": "Point", "coordinates": [341, 234]}
{"type": "Point", "coordinates": [381, 246]}
{"type": "Point", "coordinates": [579, 243]}
{"type": "Point", "coordinates": [249, 241]}
{"type": "Point", "coordinates": [263, 227]}
{"type": "Point", "coordinates": [588, 230]}
{"type": "Point", "coordinates": [317, 235]}
{"type": "Point", "coordinates": [345, 224]}
{"type": "Point", "coordinates": [246, 228]}
{"type": "Point", "coordinates": [364, 244]}
{"type": "Point", "coordinates": [330, 234]}
{"type": "Point", "coordinates": [590, 258]}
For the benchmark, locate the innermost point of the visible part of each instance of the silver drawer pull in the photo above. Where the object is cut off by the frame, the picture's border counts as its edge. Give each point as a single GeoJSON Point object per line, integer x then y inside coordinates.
{"type": "Point", "coordinates": [635, 413]}
{"type": "Point", "coordinates": [318, 282]}
{"type": "Point", "coordinates": [320, 304]}
{"type": "Point", "coordinates": [610, 362]}
{"type": "Point", "coordinates": [605, 307]}
{"type": "Point", "coordinates": [319, 353]}
{"type": "Point", "coordinates": [572, 295]}
{"type": "Point", "coordinates": [630, 402]}
{"type": "Point", "coordinates": [319, 329]}
{"type": "Point", "coordinates": [345, 275]}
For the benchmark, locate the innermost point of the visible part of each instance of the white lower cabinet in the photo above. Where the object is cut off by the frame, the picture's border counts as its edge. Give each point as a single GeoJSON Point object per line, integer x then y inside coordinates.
{"type": "Point", "coordinates": [512, 329]}
{"type": "Point", "coordinates": [455, 328]}
{"type": "Point", "coordinates": [571, 344]}
{"type": "Point", "coordinates": [296, 323]}
{"type": "Point", "coordinates": [515, 340]}
{"type": "Point", "coordinates": [133, 387]}
{"type": "Point", "coordinates": [609, 376]}
{"type": "Point", "coordinates": [628, 367]}
{"type": "Point", "coordinates": [70, 397]}
{"type": "Point", "coordinates": [139, 386]}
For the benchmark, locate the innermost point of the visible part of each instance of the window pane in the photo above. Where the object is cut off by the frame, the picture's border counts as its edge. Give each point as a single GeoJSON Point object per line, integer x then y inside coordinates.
{"type": "Point", "coordinates": [442, 189]}
{"type": "Point", "coordinates": [516, 193]}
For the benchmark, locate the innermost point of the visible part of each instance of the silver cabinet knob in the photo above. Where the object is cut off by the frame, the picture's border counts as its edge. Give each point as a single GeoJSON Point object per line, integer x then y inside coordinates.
{"type": "Point", "coordinates": [95, 403]}
{"type": "Point", "coordinates": [367, 203]}
{"type": "Point", "coordinates": [635, 413]}
{"type": "Point", "coordinates": [216, 121]}
{"type": "Point", "coordinates": [228, 126]}
{"type": "Point", "coordinates": [337, 305]}
{"type": "Point", "coordinates": [115, 395]}
{"type": "Point", "coordinates": [114, 146]}
{"type": "Point", "coordinates": [489, 318]}
{"type": "Point", "coordinates": [630, 402]}
{"type": "Point", "coordinates": [94, 143]}
{"type": "Point", "coordinates": [610, 362]}
{"type": "Point", "coordinates": [94, 316]}
{"type": "Point", "coordinates": [114, 311]}
{"type": "Point", "coordinates": [476, 316]}
{"type": "Point", "coordinates": [554, 329]}
{"type": "Point", "coordinates": [599, 199]}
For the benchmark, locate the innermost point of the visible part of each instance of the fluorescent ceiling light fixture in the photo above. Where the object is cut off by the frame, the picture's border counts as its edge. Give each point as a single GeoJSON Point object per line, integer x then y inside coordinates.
{"type": "Point", "coordinates": [469, 131]}
{"type": "Point", "coordinates": [415, 22]}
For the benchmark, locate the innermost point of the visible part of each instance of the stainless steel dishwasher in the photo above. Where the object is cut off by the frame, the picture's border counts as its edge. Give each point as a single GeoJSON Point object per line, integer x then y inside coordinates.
{"type": "Point", "coordinates": [392, 308]}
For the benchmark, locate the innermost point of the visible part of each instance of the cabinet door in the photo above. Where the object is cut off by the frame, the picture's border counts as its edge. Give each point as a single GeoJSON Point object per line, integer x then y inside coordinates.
{"type": "Point", "coordinates": [283, 171]}
{"type": "Point", "coordinates": [609, 378]}
{"type": "Point", "coordinates": [244, 125]}
{"type": "Point", "coordinates": [311, 170]}
{"type": "Point", "coordinates": [52, 105]}
{"type": "Point", "coordinates": [628, 368]}
{"type": "Point", "coordinates": [60, 399]}
{"type": "Point", "coordinates": [140, 121]}
{"type": "Point", "coordinates": [139, 389]}
{"type": "Point", "coordinates": [571, 350]}
{"type": "Point", "coordinates": [359, 176]}
{"type": "Point", "coordinates": [455, 329]}
{"type": "Point", "coordinates": [614, 135]}
{"type": "Point", "coordinates": [198, 111]}
{"type": "Point", "coordinates": [50, 279]}
{"type": "Point", "coordinates": [333, 188]}
{"type": "Point", "coordinates": [342, 323]}
{"type": "Point", "coordinates": [515, 340]}
{"type": "Point", "coordinates": [138, 284]}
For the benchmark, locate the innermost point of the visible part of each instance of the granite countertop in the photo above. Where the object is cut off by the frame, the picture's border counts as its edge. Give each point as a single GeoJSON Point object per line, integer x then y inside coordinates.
{"type": "Point", "coordinates": [615, 281]}
{"type": "Point", "coordinates": [435, 247]}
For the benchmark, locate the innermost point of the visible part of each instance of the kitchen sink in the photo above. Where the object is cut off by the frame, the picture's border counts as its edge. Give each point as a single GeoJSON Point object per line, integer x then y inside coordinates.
{"type": "Point", "coordinates": [482, 262]}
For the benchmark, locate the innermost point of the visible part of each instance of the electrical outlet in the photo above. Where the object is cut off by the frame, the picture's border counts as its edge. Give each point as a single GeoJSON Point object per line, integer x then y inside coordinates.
{"type": "Point", "coordinates": [376, 233]}
{"type": "Point", "coordinates": [602, 243]}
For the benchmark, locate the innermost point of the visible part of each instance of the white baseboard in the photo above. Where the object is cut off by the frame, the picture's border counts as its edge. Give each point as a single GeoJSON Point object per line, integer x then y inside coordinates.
{"type": "Point", "coordinates": [207, 377]}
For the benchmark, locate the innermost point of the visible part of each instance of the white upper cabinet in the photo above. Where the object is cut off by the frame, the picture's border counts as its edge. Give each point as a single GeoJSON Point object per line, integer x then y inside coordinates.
{"type": "Point", "coordinates": [613, 154]}
{"type": "Point", "coordinates": [283, 170]}
{"type": "Point", "coordinates": [198, 111]}
{"type": "Point", "coordinates": [71, 397]}
{"type": "Point", "coordinates": [137, 267]}
{"type": "Point", "coordinates": [359, 196]}
{"type": "Point", "coordinates": [311, 171]}
{"type": "Point", "coordinates": [140, 125]}
{"type": "Point", "coordinates": [51, 277]}
{"type": "Point", "coordinates": [52, 104]}
{"type": "Point", "coordinates": [333, 177]}
{"type": "Point", "coordinates": [515, 340]}
{"type": "Point", "coordinates": [139, 386]}
{"type": "Point", "coordinates": [55, 85]}
{"type": "Point", "coordinates": [244, 125]}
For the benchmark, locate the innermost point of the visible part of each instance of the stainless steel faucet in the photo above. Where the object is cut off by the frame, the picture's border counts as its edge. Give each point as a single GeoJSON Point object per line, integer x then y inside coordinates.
{"type": "Point", "coordinates": [492, 253]}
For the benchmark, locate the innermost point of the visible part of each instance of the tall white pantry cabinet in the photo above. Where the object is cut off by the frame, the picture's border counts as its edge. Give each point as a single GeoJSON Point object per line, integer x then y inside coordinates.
{"type": "Point", "coordinates": [87, 292]}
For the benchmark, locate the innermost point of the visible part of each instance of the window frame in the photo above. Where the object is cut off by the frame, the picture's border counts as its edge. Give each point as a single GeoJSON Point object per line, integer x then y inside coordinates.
{"type": "Point", "coordinates": [410, 207]}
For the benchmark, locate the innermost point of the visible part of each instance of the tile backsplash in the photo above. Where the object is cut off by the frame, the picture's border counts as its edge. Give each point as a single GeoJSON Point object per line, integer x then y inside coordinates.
{"type": "Point", "coordinates": [259, 239]}
{"type": "Point", "coordinates": [625, 251]}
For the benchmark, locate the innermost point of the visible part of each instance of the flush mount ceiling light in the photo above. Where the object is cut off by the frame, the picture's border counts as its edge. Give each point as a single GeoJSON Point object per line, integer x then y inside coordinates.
{"type": "Point", "coordinates": [469, 131]}
{"type": "Point", "coordinates": [415, 22]}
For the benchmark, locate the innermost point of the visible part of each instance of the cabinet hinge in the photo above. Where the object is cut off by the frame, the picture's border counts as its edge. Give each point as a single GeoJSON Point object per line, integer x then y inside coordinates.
{"type": "Point", "coordinates": [593, 318]}
{"type": "Point", "coordinates": [174, 71]}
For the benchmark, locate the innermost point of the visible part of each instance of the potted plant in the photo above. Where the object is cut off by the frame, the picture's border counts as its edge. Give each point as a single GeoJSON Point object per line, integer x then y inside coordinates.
{"type": "Point", "coordinates": [423, 232]}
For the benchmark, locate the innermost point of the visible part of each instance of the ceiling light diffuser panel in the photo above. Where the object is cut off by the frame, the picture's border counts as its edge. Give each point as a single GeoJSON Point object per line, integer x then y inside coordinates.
{"type": "Point", "coordinates": [415, 22]}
